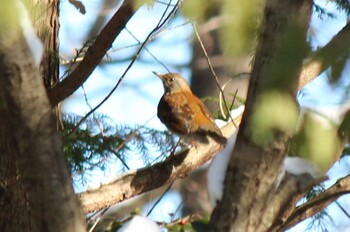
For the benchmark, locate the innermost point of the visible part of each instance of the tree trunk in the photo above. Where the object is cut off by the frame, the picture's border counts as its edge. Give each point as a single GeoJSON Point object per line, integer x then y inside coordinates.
{"type": "Point", "coordinates": [36, 188]}
{"type": "Point", "coordinates": [45, 17]}
{"type": "Point", "coordinates": [251, 201]}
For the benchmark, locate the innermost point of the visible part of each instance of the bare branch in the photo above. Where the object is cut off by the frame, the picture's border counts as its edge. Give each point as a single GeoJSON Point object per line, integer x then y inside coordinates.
{"type": "Point", "coordinates": [140, 181]}
{"type": "Point", "coordinates": [93, 56]}
{"type": "Point", "coordinates": [324, 57]}
{"type": "Point", "coordinates": [318, 203]}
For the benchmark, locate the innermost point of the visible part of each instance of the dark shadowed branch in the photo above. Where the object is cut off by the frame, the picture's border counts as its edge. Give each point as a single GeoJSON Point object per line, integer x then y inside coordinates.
{"type": "Point", "coordinates": [93, 56]}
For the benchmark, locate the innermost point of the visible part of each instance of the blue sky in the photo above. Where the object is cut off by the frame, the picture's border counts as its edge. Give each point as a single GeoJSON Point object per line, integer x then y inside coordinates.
{"type": "Point", "coordinates": [135, 101]}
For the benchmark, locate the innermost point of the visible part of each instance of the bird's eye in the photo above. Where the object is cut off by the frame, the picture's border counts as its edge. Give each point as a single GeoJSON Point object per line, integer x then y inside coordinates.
{"type": "Point", "coordinates": [172, 79]}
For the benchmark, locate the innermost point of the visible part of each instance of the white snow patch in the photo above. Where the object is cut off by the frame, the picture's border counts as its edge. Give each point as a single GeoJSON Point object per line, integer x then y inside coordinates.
{"type": "Point", "coordinates": [297, 166]}
{"type": "Point", "coordinates": [139, 223]}
{"type": "Point", "coordinates": [217, 171]}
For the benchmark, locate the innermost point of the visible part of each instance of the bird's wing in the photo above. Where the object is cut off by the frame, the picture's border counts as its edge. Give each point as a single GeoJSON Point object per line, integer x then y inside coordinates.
{"type": "Point", "coordinates": [207, 123]}
{"type": "Point", "coordinates": [176, 114]}
{"type": "Point", "coordinates": [204, 118]}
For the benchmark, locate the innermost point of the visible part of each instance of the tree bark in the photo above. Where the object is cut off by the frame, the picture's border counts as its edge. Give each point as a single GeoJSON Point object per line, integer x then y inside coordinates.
{"type": "Point", "coordinates": [251, 201]}
{"type": "Point", "coordinates": [45, 17]}
{"type": "Point", "coordinates": [36, 188]}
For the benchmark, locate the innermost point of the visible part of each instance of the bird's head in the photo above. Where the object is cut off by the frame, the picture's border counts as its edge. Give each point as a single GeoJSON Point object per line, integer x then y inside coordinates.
{"type": "Point", "coordinates": [173, 82]}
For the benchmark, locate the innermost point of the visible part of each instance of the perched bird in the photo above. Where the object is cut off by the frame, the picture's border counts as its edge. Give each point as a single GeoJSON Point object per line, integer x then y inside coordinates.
{"type": "Point", "coordinates": [183, 113]}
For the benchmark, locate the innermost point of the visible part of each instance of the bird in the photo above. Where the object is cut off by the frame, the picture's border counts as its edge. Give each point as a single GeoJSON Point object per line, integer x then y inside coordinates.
{"type": "Point", "coordinates": [183, 113]}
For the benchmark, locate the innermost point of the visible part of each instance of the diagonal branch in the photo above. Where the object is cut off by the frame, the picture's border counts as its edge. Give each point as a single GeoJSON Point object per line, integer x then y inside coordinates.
{"type": "Point", "coordinates": [93, 56]}
{"type": "Point", "coordinates": [324, 57]}
{"type": "Point", "coordinates": [318, 203]}
{"type": "Point", "coordinates": [139, 181]}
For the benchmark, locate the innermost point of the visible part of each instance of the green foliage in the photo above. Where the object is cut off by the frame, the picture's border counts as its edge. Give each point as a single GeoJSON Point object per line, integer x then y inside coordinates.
{"type": "Point", "coordinates": [9, 24]}
{"type": "Point", "coordinates": [273, 112]}
{"type": "Point", "coordinates": [316, 140]}
{"type": "Point", "coordinates": [238, 21]}
{"type": "Point", "coordinates": [233, 102]}
{"type": "Point", "coordinates": [317, 189]}
{"type": "Point", "coordinates": [197, 9]}
{"type": "Point", "coordinates": [238, 35]}
{"type": "Point", "coordinates": [98, 142]}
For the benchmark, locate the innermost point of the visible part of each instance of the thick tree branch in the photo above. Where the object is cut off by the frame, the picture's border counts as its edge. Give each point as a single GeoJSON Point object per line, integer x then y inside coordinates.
{"type": "Point", "coordinates": [324, 57]}
{"type": "Point", "coordinates": [318, 203]}
{"type": "Point", "coordinates": [140, 181]}
{"type": "Point", "coordinates": [93, 56]}
{"type": "Point", "coordinates": [254, 166]}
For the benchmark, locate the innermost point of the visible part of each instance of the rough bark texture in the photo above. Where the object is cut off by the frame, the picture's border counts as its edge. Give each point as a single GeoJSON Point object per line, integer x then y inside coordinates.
{"type": "Point", "coordinates": [250, 201]}
{"type": "Point", "coordinates": [14, 214]}
{"type": "Point", "coordinates": [35, 184]}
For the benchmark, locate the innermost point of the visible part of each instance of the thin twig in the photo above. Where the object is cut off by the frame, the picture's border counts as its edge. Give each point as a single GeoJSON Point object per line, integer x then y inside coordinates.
{"type": "Point", "coordinates": [79, 56]}
{"type": "Point", "coordinates": [119, 157]}
{"type": "Point", "coordinates": [177, 210]}
{"type": "Point", "coordinates": [160, 24]}
{"type": "Point", "coordinates": [98, 218]}
{"type": "Point", "coordinates": [147, 50]}
{"type": "Point", "coordinates": [221, 98]}
{"type": "Point", "coordinates": [159, 199]}
{"type": "Point", "coordinates": [211, 68]}
{"type": "Point", "coordinates": [93, 115]}
{"type": "Point", "coordinates": [342, 209]}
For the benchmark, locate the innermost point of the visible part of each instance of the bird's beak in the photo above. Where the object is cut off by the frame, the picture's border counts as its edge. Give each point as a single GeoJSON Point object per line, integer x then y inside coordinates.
{"type": "Point", "coordinates": [157, 74]}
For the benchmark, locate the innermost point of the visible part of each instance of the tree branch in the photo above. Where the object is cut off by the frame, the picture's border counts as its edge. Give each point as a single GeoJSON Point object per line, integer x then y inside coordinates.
{"type": "Point", "coordinates": [139, 181]}
{"type": "Point", "coordinates": [254, 165]}
{"type": "Point", "coordinates": [93, 56]}
{"type": "Point", "coordinates": [324, 57]}
{"type": "Point", "coordinates": [318, 203]}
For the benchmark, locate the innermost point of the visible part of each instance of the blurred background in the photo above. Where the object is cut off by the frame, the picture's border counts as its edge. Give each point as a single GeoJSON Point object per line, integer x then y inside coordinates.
{"type": "Point", "coordinates": [228, 31]}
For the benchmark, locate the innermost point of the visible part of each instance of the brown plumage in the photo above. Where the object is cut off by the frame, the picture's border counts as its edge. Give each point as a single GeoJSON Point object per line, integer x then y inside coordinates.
{"type": "Point", "coordinates": [183, 113]}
